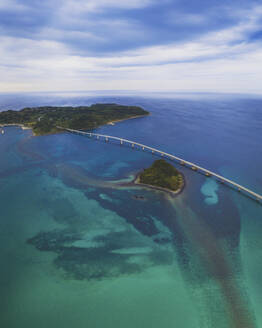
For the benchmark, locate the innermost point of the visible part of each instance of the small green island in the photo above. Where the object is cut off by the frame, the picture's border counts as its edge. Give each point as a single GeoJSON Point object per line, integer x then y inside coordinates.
{"type": "Point", "coordinates": [44, 120]}
{"type": "Point", "coordinates": [162, 175]}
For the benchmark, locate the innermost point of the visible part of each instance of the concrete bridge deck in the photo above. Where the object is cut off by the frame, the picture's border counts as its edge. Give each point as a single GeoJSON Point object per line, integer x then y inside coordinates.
{"type": "Point", "coordinates": [171, 157]}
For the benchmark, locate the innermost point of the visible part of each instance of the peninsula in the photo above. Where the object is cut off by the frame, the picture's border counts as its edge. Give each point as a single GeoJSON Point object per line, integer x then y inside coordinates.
{"type": "Point", "coordinates": [44, 120]}
{"type": "Point", "coordinates": [163, 176]}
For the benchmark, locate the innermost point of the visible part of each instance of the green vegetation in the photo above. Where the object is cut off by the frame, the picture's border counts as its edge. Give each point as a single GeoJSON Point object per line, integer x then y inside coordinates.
{"type": "Point", "coordinates": [44, 120]}
{"type": "Point", "coordinates": [162, 174]}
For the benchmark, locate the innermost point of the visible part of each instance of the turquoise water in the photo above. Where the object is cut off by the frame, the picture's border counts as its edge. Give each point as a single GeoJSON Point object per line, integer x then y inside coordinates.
{"type": "Point", "coordinates": [77, 250]}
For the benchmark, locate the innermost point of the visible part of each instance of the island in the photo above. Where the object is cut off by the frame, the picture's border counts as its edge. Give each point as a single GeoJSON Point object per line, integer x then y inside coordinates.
{"type": "Point", "coordinates": [163, 176]}
{"type": "Point", "coordinates": [44, 120]}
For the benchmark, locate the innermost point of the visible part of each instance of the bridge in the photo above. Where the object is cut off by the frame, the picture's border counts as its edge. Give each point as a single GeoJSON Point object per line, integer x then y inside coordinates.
{"type": "Point", "coordinates": [163, 154]}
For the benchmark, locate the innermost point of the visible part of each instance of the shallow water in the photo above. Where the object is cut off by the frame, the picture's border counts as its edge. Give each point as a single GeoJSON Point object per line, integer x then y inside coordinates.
{"type": "Point", "coordinates": [77, 250]}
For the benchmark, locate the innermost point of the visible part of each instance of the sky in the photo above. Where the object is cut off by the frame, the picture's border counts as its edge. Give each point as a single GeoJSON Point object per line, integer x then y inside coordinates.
{"type": "Point", "coordinates": [141, 45]}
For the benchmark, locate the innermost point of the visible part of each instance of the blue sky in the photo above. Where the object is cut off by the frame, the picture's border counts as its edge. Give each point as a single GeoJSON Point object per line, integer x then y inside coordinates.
{"type": "Point", "coordinates": [179, 45]}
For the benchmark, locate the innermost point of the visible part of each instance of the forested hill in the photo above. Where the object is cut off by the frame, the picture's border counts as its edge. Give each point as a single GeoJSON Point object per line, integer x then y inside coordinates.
{"type": "Point", "coordinates": [162, 174]}
{"type": "Point", "coordinates": [43, 120]}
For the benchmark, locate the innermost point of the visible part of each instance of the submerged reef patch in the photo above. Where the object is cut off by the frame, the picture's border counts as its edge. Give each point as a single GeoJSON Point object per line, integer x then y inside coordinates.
{"type": "Point", "coordinates": [209, 190]}
{"type": "Point", "coordinates": [103, 256]}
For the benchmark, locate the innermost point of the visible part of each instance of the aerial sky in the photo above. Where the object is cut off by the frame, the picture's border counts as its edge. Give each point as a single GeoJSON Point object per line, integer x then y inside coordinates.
{"type": "Point", "coordinates": [144, 45]}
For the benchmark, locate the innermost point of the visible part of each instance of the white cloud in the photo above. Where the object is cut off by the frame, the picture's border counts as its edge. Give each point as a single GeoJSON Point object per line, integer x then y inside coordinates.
{"type": "Point", "coordinates": [215, 62]}
{"type": "Point", "coordinates": [80, 6]}
{"type": "Point", "coordinates": [11, 5]}
{"type": "Point", "coordinates": [188, 19]}
{"type": "Point", "coordinates": [59, 34]}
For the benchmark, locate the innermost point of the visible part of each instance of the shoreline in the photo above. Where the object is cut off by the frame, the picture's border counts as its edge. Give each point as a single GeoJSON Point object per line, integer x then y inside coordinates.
{"type": "Point", "coordinates": [124, 119]}
{"type": "Point", "coordinates": [136, 182]}
{"type": "Point", "coordinates": [24, 127]}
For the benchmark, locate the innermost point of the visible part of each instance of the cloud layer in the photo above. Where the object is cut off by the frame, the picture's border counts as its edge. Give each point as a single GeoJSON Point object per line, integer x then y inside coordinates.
{"type": "Point", "coordinates": [136, 44]}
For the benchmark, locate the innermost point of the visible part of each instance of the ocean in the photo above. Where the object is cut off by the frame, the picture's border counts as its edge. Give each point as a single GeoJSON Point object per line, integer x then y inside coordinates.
{"type": "Point", "coordinates": [78, 250]}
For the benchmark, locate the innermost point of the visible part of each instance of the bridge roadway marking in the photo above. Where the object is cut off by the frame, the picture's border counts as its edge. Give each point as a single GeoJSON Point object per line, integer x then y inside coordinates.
{"type": "Point", "coordinates": [172, 157]}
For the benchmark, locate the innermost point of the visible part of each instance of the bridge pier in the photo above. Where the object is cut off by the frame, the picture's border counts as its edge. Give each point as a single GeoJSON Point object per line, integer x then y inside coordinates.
{"type": "Point", "coordinates": [133, 145]}
{"type": "Point", "coordinates": [121, 142]}
{"type": "Point", "coordinates": [106, 139]}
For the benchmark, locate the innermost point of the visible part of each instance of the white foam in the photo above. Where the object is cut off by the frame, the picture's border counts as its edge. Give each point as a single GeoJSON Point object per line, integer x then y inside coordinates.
{"type": "Point", "coordinates": [106, 197]}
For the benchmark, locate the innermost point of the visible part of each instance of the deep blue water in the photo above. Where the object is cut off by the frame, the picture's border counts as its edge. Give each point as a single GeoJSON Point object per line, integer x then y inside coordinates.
{"type": "Point", "coordinates": [79, 251]}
